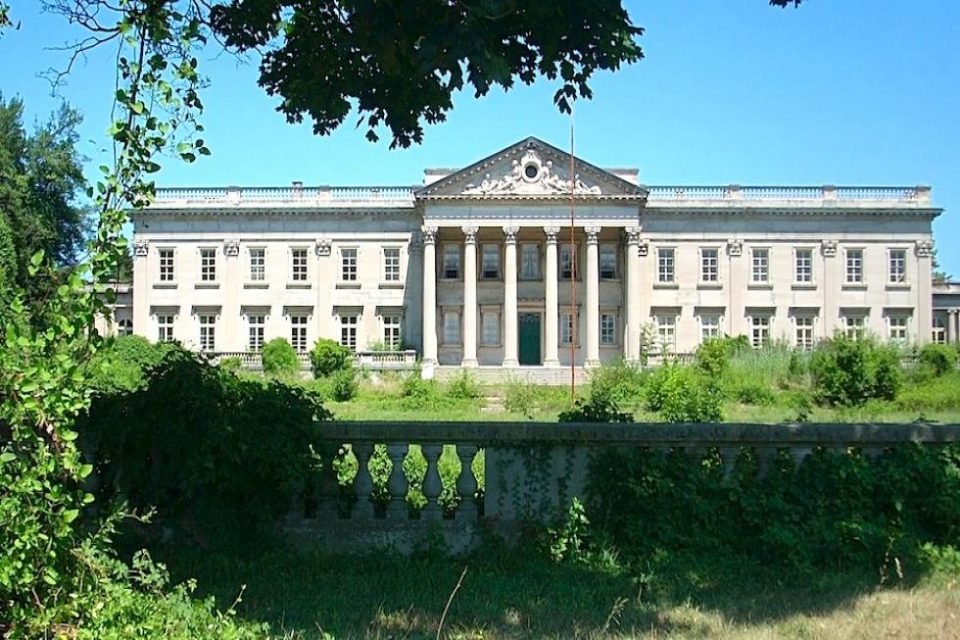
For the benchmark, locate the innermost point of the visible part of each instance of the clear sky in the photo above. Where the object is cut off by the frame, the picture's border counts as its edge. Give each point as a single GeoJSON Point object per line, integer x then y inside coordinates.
{"type": "Point", "coordinates": [731, 91]}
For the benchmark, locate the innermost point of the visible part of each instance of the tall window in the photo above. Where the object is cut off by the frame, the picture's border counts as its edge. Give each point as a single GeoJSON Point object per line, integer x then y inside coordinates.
{"type": "Point", "coordinates": [490, 261]}
{"type": "Point", "coordinates": [164, 328]}
{"type": "Point", "coordinates": [709, 264]}
{"type": "Point", "coordinates": [897, 327]}
{"type": "Point", "coordinates": [759, 331]}
{"type": "Point", "coordinates": [939, 334]}
{"type": "Point", "coordinates": [451, 261]}
{"type": "Point", "coordinates": [854, 266]}
{"type": "Point", "coordinates": [529, 262]}
{"type": "Point", "coordinates": [490, 334]}
{"type": "Point", "coordinates": [348, 331]}
{"type": "Point", "coordinates": [898, 266]}
{"type": "Point", "coordinates": [567, 320]}
{"type": "Point", "coordinates": [208, 265]}
{"type": "Point", "coordinates": [166, 265]}
{"type": "Point", "coordinates": [709, 326]}
{"type": "Point", "coordinates": [568, 262]}
{"type": "Point", "coordinates": [608, 328]}
{"type": "Point", "coordinates": [803, 332]}
{"type": "Point", "coordinates": [125, 327]}
{"type": "Point", "coordinates": [760, 273]}
{"type": "Point", "coordinates": [667, 332]}
{"type": "Point", "coordinates": [298, 333]}
{"type": "Point", "coordinates": [208, 332]}
{"type": "Point", "coordinates": [854, 324]}
{"type": "Point", "coordinates": [348, 264]}
{"type": "Point", "coordinates": [803, 267]}
{"type": "Point", "coordinates": [666, 265]}
{"type": "Point", "coordinates": [255, 325]}
{"type": "Point", "coordinates": [258, 262]}
{"type": "Point", "coordinates": [451, 327]}
{"type": "Point", "coordinates": [391, 264]}
{"type": "Point", "coordinates": [608, 261]}
{"type": "Point", "coordinates": [298, 265]}
{"type": "Point", "coordinates": [392, 324]}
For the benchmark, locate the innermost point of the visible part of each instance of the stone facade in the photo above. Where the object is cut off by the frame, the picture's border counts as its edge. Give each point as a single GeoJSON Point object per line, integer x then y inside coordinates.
{"type": "Point", "coordinates": [482, 266]}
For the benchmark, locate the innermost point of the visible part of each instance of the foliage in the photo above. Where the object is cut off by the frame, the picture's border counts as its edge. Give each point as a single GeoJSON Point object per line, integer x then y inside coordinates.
{"type": "Point", "coordinates": [648, 342]}
{"type": "Point", "coordinates": [849, 371]}
{"type": "Point", "coordinates": [527, 398]}
{"type": "Point", "coordinates": [936, 394]}
{"type": "Point", "coordinates": [124, 361]}
{"type": "Point", "coordinates": [344, 384]}
{"type": "Point", "coordinates": [598, 407]}
{"type": "Point", "coordinates": [680, 394]}
{"type": "Point", "coordinates": [233, 364]}
{"type": "Point", "coordinates": [568, 540]}
{"type": "Point", "coordinates": [755, 393]}
{"type": "Point", "coordinates": [938, 359]}
{"type": "Point", "coordinates": [400, 68]}
{"type": "Point", "coordinates": [418, 392]}
{"type": "Point", "coordinates": [463, 386]}
{"type": "Point", "coordinates": [713, 357]}
{"type": "Point", "coordinates": [279, 359]}
{"type": "Point", "coordinates": [232, 455]}
{"type": "Point", "coordinates": [620, 382]}
{"type": "Point", "coordinates": [329, 357]}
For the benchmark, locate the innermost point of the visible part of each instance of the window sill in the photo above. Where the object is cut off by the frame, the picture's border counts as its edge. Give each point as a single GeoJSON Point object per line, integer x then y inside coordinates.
{"type": "Point", "coordinates": [206, 285]}
{"type": "Point", "coordinates": [530, 279]}
{"type": "Point", "coordinates": [256, 285]}
{"type": "Point", "coordinates": [391, 285]}
{"type": "Point", "coordinates": [299, 285]}
{"type": "Point", "coordinates": [609, 279]}
{"type": "Point", "coordinates": [760, 286]}
{"type": "Point", "coordinates": [164, 285]}
{"type": "Point", "coordinates": [803, 286]}
{"type": "Point", "coordinates": [666, 285]}
{"type": "Point", "coordinates": [710, 285]}
{"type": "Point", "coordinates": [898, 286]}
{"type": "Point", "coordinates": [491, 346]}
{"type": "Point", "coordinates": [446, 279]}
{"type": "Point", "coordinates": [854, 286]}
{"type": "Point", "coordinates": [348, 285]}
{"type": "Point", "coordinates": [490, 279]}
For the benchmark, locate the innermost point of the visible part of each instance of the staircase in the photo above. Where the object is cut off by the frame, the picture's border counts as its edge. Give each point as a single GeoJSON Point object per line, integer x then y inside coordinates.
{"type": "Point", "coordinates": [497, 374]}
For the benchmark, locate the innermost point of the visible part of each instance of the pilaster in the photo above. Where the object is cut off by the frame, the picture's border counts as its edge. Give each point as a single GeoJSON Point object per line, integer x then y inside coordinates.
{"type": "Point", "coordinates": [141, 290]}
{"type": "Point", "coordinates": [551, 312]}
{"type": "Point", "coordinates": [593, 297]}
{"type": "Point", "coordinates": [470, 297]}
{"type": "Point", "coordinates": [510, 345]}
{"type": "Point", "coordinates": [631, 334]}
{"type": "Point", "coordinates": [429, 299]}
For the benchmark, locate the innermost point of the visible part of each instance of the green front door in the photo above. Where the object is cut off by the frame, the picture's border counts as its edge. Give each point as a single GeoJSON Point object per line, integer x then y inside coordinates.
{"type": "Point", "coordinates": [529, 338]}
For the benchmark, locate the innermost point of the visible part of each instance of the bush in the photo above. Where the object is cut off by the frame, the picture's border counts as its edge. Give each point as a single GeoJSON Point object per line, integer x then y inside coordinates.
{"type": "Point", "coordinates": [124, 362]}
{"type": "Point", "coordinates": [417, 392]}
{"type": "Point", "coordinates": [280, 360]}
{"type": "Point", "coordinates": [232, 364]}
{"type": "Point", "coordinates": [938, 359]}
{"type": "Point", "coordinates": [755, 393]}
{"type": "Point", "coordinates": [713, 357]}
{"type": "Point", "coordinates": [329, 357]}
{"type": "Point", "coordinates": [463, 387]}
{"type": "Point", "coordinates": [618, 382]}
{"type": "Point", "coordinates": [344, 385]}
{"type": "Point", "coordinates": [679, 394]}
{"type": "Point", "coordinates": [850, 371]}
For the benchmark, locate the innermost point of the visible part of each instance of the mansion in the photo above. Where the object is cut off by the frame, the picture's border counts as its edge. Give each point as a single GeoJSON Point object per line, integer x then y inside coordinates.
{"type": "Point", "coordinates": [531, 258]}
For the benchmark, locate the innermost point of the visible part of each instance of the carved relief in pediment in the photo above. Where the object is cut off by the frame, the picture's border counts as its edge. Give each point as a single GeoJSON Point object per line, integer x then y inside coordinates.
{"type": "Point", "coordinates": [531, 175]}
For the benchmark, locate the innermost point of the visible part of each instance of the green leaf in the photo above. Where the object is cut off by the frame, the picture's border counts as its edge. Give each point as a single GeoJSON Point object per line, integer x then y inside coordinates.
{"type": "Point", "coordinates": [8, 456]}
{"type": "Point", "coordinates": [70, 515]}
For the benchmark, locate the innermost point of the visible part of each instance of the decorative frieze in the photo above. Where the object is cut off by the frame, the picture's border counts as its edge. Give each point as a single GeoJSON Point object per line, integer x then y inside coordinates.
{"type": "Point", "coordinates": [734, 248]}
{"type": "Point", "coordinates": [141, 248]}
{"type": "Point", "coordinates": [323, 246]}
{"type": "Point", "coordinates": [924, 248]}
{"type": "Point", "coordinates": [643, 248]}
{"type": "Point", "coordinates": [829, 248]}
{"type": "Point", "coordinates": [531, 175]}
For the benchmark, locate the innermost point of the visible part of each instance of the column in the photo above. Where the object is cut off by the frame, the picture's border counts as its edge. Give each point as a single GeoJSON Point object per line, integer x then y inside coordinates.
{"type": "Point", "coordinates": [470, 297]}
{"type": "Point", "coordinates": [429, 345]}
{"type": "Point", "coordinates": [951, 326]}
{"type": "Point", "coordinates": [593, 297]}
{"type": "Point", "coordinates": [233, 337]}
{"type": "Point", "coordinates": [551, 337]}
{"type": "Point", "coordinates": [510, 297]}
{"type": "Point", "coordinates": [924, 289]}
{"type": "Point", "coordinates": [141, 291]}
{"type": "Point", "coordinates": [631, 349]}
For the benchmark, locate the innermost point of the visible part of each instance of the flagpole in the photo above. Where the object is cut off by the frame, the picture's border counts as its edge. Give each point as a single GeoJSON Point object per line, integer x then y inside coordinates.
{"type": "Point", "coordinates": [574, 267]}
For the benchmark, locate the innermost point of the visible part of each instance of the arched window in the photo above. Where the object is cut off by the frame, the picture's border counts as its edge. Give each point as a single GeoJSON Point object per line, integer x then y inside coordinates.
{"type": "Point", "coordinates": [125, 327]}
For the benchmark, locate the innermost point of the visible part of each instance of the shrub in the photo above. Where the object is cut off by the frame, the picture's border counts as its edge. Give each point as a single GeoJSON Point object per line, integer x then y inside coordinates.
{"type": "Point", "coordinates": [417, 392]}
{"type": "Point", "coordinates": [328, 357]}
{"type": "Point", "coordinates": [463, 387]}
{"type": "Point", "coordinates": [713, 357]}
{"type": "Point", "coordinates": [344, 385]}
{"type": "Point", "coordinates": [679, 394]}
{"type": "Point", "coordinates": [279, 359]}
{"type": "Point", "coordinates": [232, 364]}
{"type": "Point", "coordinates": [938, 359]}
{"type": "Point", "coordinates": [618, 382]}
{"type": "Point", "coordinates": [755, 393]}
{"type": "Point", "coordinates": [124, 362]}
{"type": "Point", "coordinates": [596, 408]}
{"type": "Point", "coordinates": [850, 371]}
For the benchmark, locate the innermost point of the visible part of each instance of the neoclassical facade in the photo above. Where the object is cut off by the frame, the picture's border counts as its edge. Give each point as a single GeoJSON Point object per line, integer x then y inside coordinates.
{"type": "Point", "coordinates": [531, 258]}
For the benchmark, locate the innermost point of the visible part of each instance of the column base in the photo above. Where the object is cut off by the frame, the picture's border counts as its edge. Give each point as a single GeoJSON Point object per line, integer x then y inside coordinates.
{"type": "Point", "coordinates": [472, 363]}
{"type": "Point", "coordinates": [510, 363]}
{"type": "Point", "coordinates": [428, 370]}
{"type": "Point", "coordinates": [551, 363]}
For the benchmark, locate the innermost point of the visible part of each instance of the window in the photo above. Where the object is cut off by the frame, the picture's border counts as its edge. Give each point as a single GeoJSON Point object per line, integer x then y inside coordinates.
{"type": "Point", "coordinates": [208, 332]}
{"type": "Point", "coordinates": [897, 327]}
{"type": "Point", "coordinates": [803, 266]}
{"type": "Point", "coordinates": [348, 265]}
{"type": "Point", "coordinates": [803, 332]}
{"type": "Point", "coordinates": [490, 261]}
{"type": "Point", "coordinates": [898, 266]}
{"type": "Point", "coordinates": [529, 262]}
{"type": "Point", "coordinates": [568, 262]}
{"type": "Point", "coordinates": [298, 333]}
{"type": "Point", "coordinates": [348, 331]}
{"type": "Point", "coordinates": [208, 265]}
{"type": "Point", "coordinates": [709, 265]}
{"type": "Point", "coordinates": [608, 328]}
{"type": "Point", "coordinates": [125, 327]}
{"type": "Point", "coordinates": [854, 325]}
{"type": "Point", "coordinates": [298, 265]}
{"type": "Point", "coordinates": [608, 261]}
{"type": "Point", "coordinates": [451, 261]}
{"type": "Point", "coordinates": [166, 265]}
{"type": "Point", "coordinates": [255, 324]}
{"type": "Point", "coordinates": [392, 324]}
{"type": "Point", "coordinates": [854, 266]}
{"type": "Point", "coordinates": [666, 332]}
{"type": "Point", "coordinates": [760, 273]}
{"type": "Point", "coordinates": [165, 328]}
{"type": "Point", "coordinates": [391, 264]}
{"type": "Point", "coordinates": [709, 326]}
{"type": "Point", "coordinates": [451, 327]}
{"type": "Point", "coordinates": [567, 330]}
{"type": "Point", "coordinates": [258, 272]}
{"type": "Point", "coordinates": [759, 331]}
{"type": "Point", "coordinates": [939, 334]}
{"type": "Point", "coordinates": [666, 265]}
{"type": "Point", "coordinates": [490, 334]}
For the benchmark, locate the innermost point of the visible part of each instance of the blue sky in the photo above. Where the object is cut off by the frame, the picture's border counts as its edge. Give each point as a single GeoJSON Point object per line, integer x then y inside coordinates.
{"type": "Point", "coordinates": [852, 92]}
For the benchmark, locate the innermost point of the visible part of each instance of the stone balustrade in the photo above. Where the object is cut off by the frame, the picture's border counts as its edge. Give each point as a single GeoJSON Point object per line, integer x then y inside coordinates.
{"type": "Point", "coordinates": [373, 360]}
{"type": "Point", "coordinates": [532, 471]}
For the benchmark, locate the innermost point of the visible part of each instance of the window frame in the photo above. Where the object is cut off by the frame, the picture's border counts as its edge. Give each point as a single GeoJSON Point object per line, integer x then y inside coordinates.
{"type": "Point", "coordinates": [208, 332]}
{"type": "Point", "coordinates": [567, 331]}
{"type": "Point", "coordinates": [485, 314]}
{"type": "Point", "coordinates": [455, 250]}
{"type": "Point", "coordinates": [805, 323]}
{"type": "Point", "coordinates": [891, 260]}
{"type": "Point", "coordinates": [208, 264]}
{"type": "Point", "coordinates": [257, 329]}
{"type": "Point", "coordinates": [762, 322]}
{"type": "Point", "coordinates": [718, 328]}
{"type": "Point", "coordinates": [390, 322]}
{"type": "Point", "coordinates": [349, 324]}
{"type": "Point", "coordinates": [797, 266]}
{"type": "Point", "coordinates": [858, 268]}
{"type": "Point", "coordinates": [666, 265]}
{"type": "Point", "coordinates": [899, 317]}
{"type": "Point", "coordinates": [573, 253]}
{"type": "Point", "coordinates": [612, 340]}
{"type": "Point", "coordinates": [349, 265]}
{"type": "Point", "coordinates": [539, 272]}
{"type": "Point", "coordinates": [666, 325]}
{"type": "Point", "coordinates": [492, 250]}
{"type": "Point", "coordinates": [760, 265]}
{"type": "Point", "coordinates": [392, 273]}
{"type": "Point", "coordinates": [446, 313]}
{"type": "Point", "coordinates": [299, 273]}
{"type": "Point", "coordinates": [704, 265]}
{"type": "Point", "coordinates": [167, 257]}
{"type": "Point", "coordinates": [254, 270]}
{"type": "Point", "coordinates": [165, 321]}
{"type": "Point", "coordinates": [609, 249]}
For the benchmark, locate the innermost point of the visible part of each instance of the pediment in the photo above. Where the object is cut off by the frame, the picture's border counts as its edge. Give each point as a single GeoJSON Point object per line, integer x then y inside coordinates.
{"type": "Point", "coordinates": [531, 169]}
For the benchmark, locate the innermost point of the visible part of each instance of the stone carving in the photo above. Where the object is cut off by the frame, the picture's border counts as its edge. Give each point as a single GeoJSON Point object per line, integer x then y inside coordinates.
{"type": "Point", "coordinates": [829, 248]}
{"type": "Point", "coordinates": [734, 247]}
{"type": "Point", "coordinates": [141, 248]}
{"type": "Point", "coordinates": [924, 248]}
{"type": "Point", "coordinates": [323, 246]}
{"type": "Point", "coordinates": [510, 234]}
{"type": "Point", "coordinates": [551, 233]}
{"type": "Point", "coordinates": [592, 233]}
{"type": "Point", "coordinates": [470, 235]}
{"type": "Point", "coordinates": [231, 248]}
{"type": "Point", "coordinates": [530, 176]}
{"type": "Point", "coordinates": [632, 235]}
{"type": "Point", "coordinates": [429, 235]}
{"type": "Point", "coordinates": [643, 249]}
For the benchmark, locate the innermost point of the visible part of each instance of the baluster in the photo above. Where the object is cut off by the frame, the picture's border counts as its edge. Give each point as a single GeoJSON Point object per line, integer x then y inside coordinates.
{"type": "Point", "coordinates": [467, 483]}
{"type": "Point", "coordinates": [397, 483]}
{"type": "Point", "coordinates": [764, 455]}
{"type": "Point", "coordinates": [799, 454]}
{"type": "Point", "coordinates": [363, 483]}
{"type": "Point", "coordinates": [432, 485]}
{"type": "Point", "coordinates": [728, 455]}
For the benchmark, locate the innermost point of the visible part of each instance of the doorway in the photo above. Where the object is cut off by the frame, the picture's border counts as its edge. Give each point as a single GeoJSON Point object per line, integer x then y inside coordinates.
{"type": "Point", "coordinates": [529, 338]}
